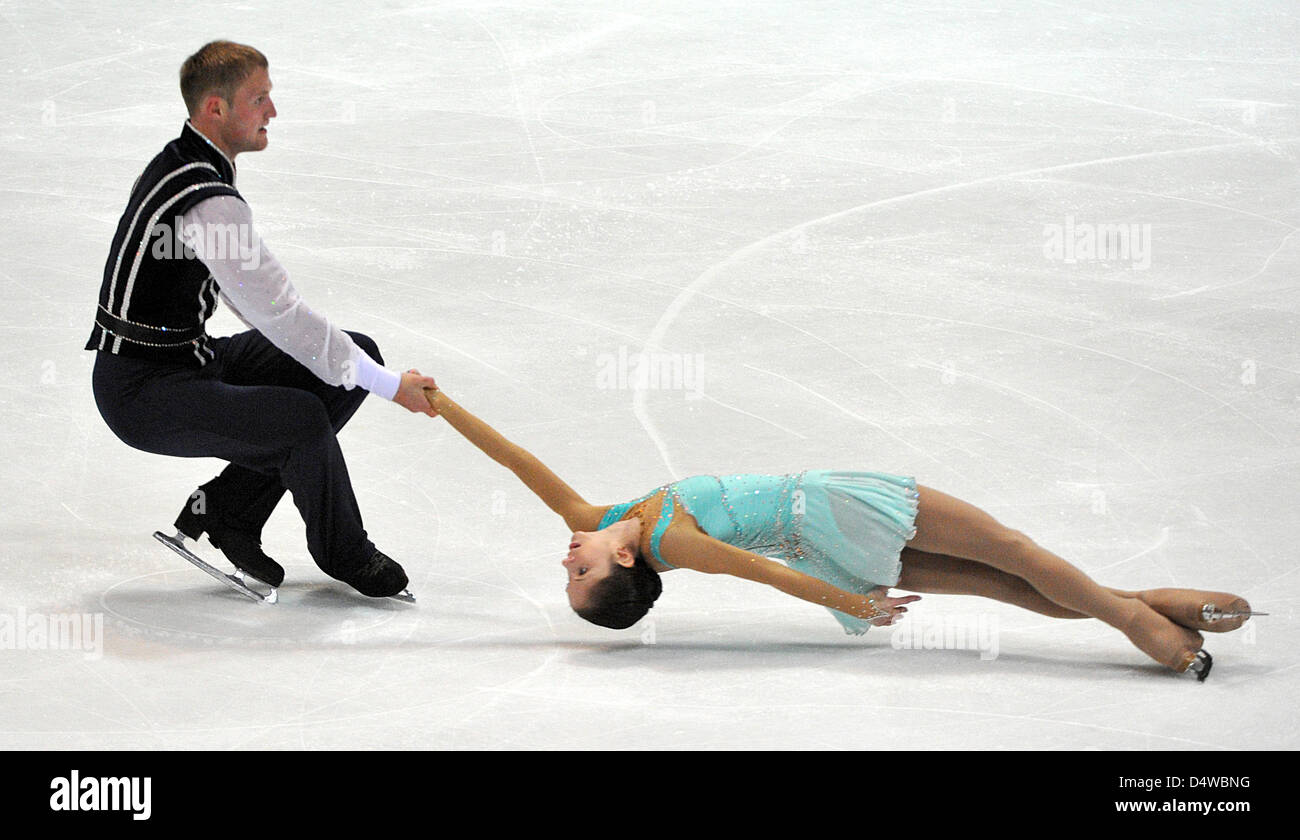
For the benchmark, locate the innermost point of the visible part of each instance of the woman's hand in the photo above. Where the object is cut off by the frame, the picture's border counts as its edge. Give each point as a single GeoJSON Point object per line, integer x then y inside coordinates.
{"type": "Point", "coordinates": [884, 610]}
{"type": "Point", "coordinates": [410, 394]}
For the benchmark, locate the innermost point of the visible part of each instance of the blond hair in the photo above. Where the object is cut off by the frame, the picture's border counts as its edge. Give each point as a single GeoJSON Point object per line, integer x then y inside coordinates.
{"type": "Point", "coordinates": [219, 67]}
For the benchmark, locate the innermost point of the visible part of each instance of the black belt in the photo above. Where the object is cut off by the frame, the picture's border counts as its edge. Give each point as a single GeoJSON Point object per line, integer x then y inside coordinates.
{"type": "Point", "coordinates": [145, 334]}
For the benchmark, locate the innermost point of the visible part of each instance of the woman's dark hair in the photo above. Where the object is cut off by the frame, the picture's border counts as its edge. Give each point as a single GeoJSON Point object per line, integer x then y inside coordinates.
{"type": "Point", "coordinates": [620, 600]}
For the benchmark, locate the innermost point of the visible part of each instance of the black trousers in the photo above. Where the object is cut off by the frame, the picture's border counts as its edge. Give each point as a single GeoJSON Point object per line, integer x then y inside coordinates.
{"type": "Point", "coordinates": [270, 417]}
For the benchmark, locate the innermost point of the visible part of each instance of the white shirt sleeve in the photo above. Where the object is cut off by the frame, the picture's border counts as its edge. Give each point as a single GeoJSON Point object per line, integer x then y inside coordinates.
{"type": "Point", "coordinates": [257, 289]}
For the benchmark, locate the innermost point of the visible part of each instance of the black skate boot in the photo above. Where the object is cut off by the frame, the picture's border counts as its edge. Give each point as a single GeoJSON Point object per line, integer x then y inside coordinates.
{"type": "Point", "coordinates": [242, 549]}
{"type": "Point", "coordinates": [381, 577]}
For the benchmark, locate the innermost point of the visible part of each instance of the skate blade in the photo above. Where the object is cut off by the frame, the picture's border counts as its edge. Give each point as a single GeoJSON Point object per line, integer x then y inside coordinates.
{"type": "Point", "coordinates": [1210, 613]}
{"type": "Point", "coordinates": [235, 581]}
{"type": "Point", "coordinates": [1201, 665]}
{"type": "Point", "coordinates": [406, 596]}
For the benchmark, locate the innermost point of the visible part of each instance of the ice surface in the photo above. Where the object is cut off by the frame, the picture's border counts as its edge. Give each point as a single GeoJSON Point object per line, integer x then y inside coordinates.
{"type": "Point", "coordinates": [860, 231]}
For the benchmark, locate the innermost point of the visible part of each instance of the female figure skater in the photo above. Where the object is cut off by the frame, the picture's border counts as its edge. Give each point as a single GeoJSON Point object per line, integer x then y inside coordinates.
{"type": "Point", "coordinates": [845, 539]}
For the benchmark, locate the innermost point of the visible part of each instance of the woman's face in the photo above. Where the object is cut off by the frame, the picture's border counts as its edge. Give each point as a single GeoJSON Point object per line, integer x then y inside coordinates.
{"type": "Point", "coordinates": [592, 556]}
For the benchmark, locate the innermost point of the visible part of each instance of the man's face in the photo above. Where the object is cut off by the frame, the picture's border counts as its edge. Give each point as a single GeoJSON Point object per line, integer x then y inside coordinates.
{"type": "Point", "coordinates": [244, 125]}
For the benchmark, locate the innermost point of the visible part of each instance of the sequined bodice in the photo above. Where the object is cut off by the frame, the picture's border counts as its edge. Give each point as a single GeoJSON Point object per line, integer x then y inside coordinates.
{"type": "Point", "coordinates": [758, 513]}
{"type": "Point", "coordinates": [845, 527]}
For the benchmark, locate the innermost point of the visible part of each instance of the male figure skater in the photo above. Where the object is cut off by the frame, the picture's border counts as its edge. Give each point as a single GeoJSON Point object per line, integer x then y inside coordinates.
{"type": "Point", "coordinates": [271, 400]}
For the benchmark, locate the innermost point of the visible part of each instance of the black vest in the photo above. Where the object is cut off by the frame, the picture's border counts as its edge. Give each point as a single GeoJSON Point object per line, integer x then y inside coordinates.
{"type": "Point", "coordinates": [156, 294]}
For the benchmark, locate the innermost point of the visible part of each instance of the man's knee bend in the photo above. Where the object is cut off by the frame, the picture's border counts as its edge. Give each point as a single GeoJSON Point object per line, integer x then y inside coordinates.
{"type": "Point", "coordinates": [367, 344]}
{"type": "Point", "coordinates": [309, 422]}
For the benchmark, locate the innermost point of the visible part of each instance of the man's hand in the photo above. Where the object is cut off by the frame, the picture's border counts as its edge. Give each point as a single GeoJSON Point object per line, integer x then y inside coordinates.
{"type": "Point", "coordinates": [410, 394]}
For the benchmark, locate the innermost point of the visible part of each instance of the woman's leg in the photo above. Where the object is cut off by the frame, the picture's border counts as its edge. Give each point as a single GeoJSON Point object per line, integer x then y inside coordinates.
{"type": "Point", "coordinates": [943, 574]}
{"type": "Point", "coordinates": [949, 526]}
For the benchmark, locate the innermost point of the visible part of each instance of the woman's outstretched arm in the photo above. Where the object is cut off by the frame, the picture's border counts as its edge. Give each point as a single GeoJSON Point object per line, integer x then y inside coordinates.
{"type": "Point", "coordinates": [548, 487]}
{"type": "Point", "coordinates": [687, 549]}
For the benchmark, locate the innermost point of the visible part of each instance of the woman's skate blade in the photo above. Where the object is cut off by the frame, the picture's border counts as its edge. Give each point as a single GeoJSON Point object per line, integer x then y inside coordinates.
{"type": "Point", "coordinates": [235, 581]}
{"type": "Point", "coordinates": [1211, 613]}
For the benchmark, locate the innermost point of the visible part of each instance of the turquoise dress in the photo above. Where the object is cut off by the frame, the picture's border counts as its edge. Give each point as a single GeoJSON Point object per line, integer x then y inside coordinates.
{"type": "Point", "coordinates": [845, 528]}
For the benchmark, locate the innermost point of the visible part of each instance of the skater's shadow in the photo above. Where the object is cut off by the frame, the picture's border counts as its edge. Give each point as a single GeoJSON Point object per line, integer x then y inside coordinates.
{"type": "Point", "coordinates": [148, 617]}
{"type": "Point", "coordinates": [851, 656]}
{"type": "Point", "coordinates": [313, 614]}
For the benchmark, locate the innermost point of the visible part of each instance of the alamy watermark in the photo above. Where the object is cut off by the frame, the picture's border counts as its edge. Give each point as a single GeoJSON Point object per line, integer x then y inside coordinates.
{"type": "Point", "coordinates": [215, 241]}
{"type": "Point", "coordinates": [651, 371]}
{"type": "Point", "coordinates": [75, 792]}
{"type": "Point", "coordinates": [1074, 242]}
{"type": "Point", "coordinates": [949, 632]}
{"type": "Point", "coordinates": [57, 631]}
